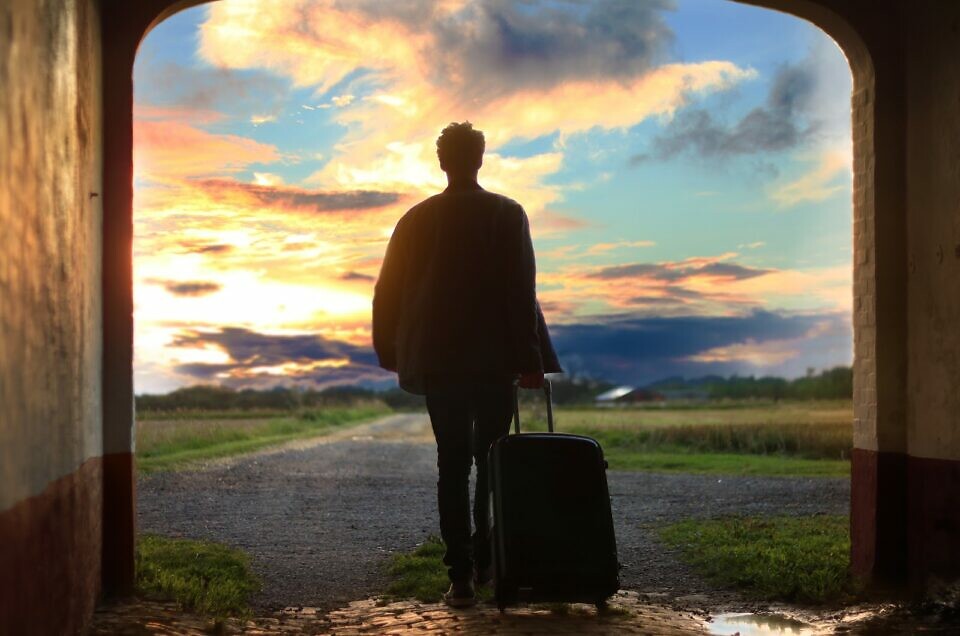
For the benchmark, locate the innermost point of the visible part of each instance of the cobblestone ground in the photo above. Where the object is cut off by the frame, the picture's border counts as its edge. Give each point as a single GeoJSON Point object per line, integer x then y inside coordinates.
{"type": "Point", "coordinates": [629, 613]}
{"type": "Point", "coordinates": [626, 615]}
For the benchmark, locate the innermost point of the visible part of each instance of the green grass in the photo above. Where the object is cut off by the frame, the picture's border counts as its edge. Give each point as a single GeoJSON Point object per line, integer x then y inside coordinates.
{"type": "Point", "coordinates": [786, 438]}
{"type": "Point", "coordinates": [213, 414]}
{"type": "Point", "coordinates": [420, 574]}
{"type": "Point", "coordinates": [176, 443]}
{"type": "Point", "coordinates": [201, 576]}
{"type": "Point", "coordinates": [723, 463]}
{"type": "Point", "coordinates": [794, 559]}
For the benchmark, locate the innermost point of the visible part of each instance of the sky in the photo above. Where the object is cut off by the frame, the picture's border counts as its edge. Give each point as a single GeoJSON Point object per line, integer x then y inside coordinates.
{"type": "Point", "coordinates": [685, 165]}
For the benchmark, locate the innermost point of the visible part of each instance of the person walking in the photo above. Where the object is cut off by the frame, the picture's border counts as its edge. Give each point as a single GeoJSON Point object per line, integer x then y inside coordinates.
{"type": "Point", "coordinates": [455, 314]}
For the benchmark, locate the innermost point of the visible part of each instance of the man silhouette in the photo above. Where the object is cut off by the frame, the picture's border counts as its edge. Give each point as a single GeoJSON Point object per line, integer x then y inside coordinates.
{"type": "Point", "coordinates": [455, 314]}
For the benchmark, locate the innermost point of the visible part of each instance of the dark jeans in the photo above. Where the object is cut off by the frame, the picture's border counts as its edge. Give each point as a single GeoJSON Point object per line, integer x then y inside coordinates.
{"type": "Point", "coordinates": [467, 417]}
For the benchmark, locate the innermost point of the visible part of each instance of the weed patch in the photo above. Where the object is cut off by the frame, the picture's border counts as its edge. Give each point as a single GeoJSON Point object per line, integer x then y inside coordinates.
{"type": "Point", "coordinates": [422, 575]}
{"type": "Point", "coordinates": [202, 576]}
{"type": "Point", "coordinates": [795, 559]}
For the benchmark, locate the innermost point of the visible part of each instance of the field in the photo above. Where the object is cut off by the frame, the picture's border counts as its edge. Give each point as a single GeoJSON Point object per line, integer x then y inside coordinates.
{"type": "Point", "coordinates": [174, 440]}
{"type": "Point", "coordinates": [788, 438]}
{"type": "Point", "coordinates": [799, 438]}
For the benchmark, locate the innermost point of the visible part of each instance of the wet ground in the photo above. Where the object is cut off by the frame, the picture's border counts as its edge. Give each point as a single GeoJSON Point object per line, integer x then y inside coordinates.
{"type": "Point", "coordinates": [628, 614]}
{"type": "Point", "coordinates": [320, 518]}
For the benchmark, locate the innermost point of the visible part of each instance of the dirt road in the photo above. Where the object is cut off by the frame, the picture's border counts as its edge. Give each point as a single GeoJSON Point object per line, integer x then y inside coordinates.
{"type": "Point", "coordinates": [320, 517]}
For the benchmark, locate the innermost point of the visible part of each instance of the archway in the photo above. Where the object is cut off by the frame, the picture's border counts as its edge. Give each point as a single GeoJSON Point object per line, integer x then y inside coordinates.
{"type": "Point", "coordinates": [877, 541]}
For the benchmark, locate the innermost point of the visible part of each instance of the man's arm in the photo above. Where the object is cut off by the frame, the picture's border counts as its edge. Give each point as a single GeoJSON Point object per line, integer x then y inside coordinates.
{"type": "Point", "coordinates": [522, 308]}
{"type": "Point", "coordinates": [386, 302]}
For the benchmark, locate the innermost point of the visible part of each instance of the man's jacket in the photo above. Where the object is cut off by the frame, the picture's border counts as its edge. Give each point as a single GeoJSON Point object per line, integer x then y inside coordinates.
{"type": "Point", "coordinates": [456, 294]}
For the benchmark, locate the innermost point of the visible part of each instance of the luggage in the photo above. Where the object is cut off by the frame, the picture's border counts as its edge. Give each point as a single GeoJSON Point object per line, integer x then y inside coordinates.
{"type": "Point", "coordinates": [551, 527]}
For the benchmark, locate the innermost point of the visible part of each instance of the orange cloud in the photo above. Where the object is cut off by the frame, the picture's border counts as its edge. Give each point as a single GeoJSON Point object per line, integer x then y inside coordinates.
{"type": "Point", "coordinates": [710, 286]}
{"type": "Point", "coordinates": [172, 149]}
{"type": "Point", "coordinates": [767, 353]}
{"type": "Point", "coordinates": [421, 63]}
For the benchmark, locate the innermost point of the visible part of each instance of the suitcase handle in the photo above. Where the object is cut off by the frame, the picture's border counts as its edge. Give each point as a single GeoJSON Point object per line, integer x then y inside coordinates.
{"type": "Point", "coordinates": [547, 392]}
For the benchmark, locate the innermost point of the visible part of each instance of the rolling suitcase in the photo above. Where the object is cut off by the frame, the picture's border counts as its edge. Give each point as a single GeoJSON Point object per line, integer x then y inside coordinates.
{"type": "Point", "coordinates": [551, 527]}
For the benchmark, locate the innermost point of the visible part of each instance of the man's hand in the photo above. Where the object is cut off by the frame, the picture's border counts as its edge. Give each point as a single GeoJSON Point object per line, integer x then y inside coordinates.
{"type": "Point", "coordinates": [531, 380]}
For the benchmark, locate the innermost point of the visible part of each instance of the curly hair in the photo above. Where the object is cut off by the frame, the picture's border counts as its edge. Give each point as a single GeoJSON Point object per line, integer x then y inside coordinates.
{"type": "Point", "coordinates": [460, 147]}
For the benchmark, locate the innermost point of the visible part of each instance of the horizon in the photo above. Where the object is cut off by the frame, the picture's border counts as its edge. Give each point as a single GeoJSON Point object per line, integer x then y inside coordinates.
{"type": "Point", "coordinates": [275, 151]}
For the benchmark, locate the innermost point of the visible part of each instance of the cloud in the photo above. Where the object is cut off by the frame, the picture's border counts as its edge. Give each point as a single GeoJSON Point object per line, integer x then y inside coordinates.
{"type": "Point", "coordinates": [256, 120]}
{"type": "Point", "coordinates": [515, 69]}
{"type": "Point", "coordinates": [641, 350]}
{"type": "Point", "coordinates": [357, 276]}
{"type": "Point", "coordinates": [494, 48]}
{"type": "Point", "coordinates": [679, 271]}
{"type": "Point", "coordinates": [204, 248]}
{"type": "Point", "coordinates": [171, 149]}
{"type": "Point", "coordinates": [706, 286]}
{"type": "Point", "coordinates": [830, 175]}
{"type": "Point", "coordinates": [602, 248]}
{"type": "Point", "coordinates": [261, 359]}
{"type": "Point", "coordinates": [228, 190]}
{"type": "Point", "coordinates": [760, 353]}
{"type": "Point", "coordinates": [190, 288]}
{"type": "Point", "coordinates": [778, 125]}
{"type": "Point", "coordinates": [184, 114]}
{"type": "Point", "coordinates": [207, 87]}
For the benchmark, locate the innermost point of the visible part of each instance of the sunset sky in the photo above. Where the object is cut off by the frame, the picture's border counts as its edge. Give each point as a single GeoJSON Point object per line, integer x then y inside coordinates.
{"type": "Point", "coordinates": [685, 166]}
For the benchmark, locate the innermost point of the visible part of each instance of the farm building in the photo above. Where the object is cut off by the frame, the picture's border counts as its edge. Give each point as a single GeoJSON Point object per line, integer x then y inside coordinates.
{"type": "Point", "coordinates": [628, 395]}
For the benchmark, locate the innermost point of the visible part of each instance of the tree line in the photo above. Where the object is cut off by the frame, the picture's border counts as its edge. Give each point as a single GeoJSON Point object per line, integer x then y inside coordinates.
{"type": "Point", "coordinates": [836, 383]}
{"type": "Point", "coordinates": [830, 384]}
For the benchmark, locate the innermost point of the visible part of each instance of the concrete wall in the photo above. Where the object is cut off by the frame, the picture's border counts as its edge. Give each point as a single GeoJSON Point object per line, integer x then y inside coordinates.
{"type": "Point", "coordinates": [933, 308]}
{"type": "Point", "coordinates": [50, 320]}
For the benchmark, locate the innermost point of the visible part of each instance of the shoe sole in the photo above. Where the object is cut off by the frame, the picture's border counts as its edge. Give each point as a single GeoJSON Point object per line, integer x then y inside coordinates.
{"type": "Point", "coordinates": [460, 602]}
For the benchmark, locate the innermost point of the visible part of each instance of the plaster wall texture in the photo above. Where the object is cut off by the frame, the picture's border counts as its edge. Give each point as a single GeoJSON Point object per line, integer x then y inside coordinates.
{"type": "Point", "coordinates": [50, 317]}
{"type": "Point", "coordinates": [933, 156]}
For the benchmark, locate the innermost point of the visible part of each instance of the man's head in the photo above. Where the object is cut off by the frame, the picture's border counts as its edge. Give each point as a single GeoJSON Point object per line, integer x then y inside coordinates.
{"type": "Point", "coordinates": [460, 149]}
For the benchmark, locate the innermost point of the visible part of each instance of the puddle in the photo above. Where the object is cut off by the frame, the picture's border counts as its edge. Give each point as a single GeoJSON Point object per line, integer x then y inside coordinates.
{"type": "Point", "coordinates": [757, 625]}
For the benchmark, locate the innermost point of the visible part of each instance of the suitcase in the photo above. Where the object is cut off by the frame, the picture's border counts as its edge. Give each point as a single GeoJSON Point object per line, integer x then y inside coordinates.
{"type": "Point", "coordinates": [551, 527]}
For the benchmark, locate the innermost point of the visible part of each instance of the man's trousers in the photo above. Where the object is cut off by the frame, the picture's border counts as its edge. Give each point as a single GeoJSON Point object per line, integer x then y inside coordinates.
{"type": "Point", "coordinates": [467, 416]}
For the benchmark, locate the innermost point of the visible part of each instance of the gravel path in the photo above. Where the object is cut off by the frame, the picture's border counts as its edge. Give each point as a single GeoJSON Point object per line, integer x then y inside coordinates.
{"type": "Point", "coordinates": [320, 518]}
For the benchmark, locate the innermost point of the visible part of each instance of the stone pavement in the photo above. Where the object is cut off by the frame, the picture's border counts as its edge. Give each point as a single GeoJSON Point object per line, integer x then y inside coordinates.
{"type": "Point", "coordinates": [627, 614]}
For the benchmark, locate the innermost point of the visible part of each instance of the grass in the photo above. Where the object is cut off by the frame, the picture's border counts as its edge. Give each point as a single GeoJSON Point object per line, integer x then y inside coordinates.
{"type": "Point", "coordinates": [793, 559]}
{"type": "Point", "coordinates": [201, 576]}
{"type": "Point", "coordinates": [175, 443]}
{"type": "Point", "coordinates": [420, 574]}
{"type": "Point", "coordinates": [724, 463]}
{"type": "Point", "coordinates": [786, 438]}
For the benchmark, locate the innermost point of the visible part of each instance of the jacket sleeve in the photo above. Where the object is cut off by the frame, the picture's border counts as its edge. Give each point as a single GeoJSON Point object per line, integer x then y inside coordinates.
{"type": "Point", "coordinates": [387, 298]}
{"type": "Point", "coordinates": [522, 309]}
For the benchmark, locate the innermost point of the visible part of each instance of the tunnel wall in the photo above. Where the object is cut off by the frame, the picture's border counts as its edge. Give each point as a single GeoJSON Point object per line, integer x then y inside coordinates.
{"type": "Point", "coordinates": [50, 319]}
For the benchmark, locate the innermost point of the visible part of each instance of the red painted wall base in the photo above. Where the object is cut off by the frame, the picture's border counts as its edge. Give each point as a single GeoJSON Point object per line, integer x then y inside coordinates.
{"type": "Point", "coordinates": [50, 556]}
{"type": "Point", "coordinates": [878, 517]}
{"type": "Point", "coordinates": [119, 524]}
{"type": "Point", "coordinates": [934, 528]}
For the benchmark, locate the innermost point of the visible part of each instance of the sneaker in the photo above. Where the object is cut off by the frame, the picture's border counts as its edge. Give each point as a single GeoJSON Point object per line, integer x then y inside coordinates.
{"type": "Point", "coordinates": [460, 594]}
{"type": "Point", "coordinates": [483, 576]}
